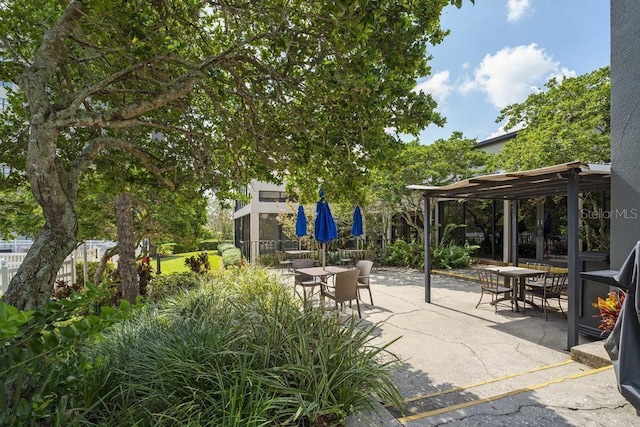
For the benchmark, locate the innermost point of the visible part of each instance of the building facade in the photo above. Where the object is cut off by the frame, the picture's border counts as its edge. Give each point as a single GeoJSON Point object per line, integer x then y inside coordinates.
{"type": "Point", "coordinates": [256, 227]}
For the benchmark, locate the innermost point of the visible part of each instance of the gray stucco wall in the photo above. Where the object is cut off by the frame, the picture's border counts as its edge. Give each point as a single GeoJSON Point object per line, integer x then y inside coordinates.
{"type": "Point", "coordinates": [625, 128]}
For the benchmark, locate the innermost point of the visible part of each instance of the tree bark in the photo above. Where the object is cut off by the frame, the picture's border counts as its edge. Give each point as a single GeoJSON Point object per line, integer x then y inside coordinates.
{"type": "Point", "coordinates": [32, 285]}
{"type": "Point", "coordinates": [108, 253]}
{"type": "Point", "coordinates": [126, 244]}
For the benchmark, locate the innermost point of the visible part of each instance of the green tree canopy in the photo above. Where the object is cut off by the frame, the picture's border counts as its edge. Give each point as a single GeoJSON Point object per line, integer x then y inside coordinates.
{"type": "Point", "coordinates": [228, 91]}
{"type": "Point", "coordinates": [443, 162]}
{"type": "Point", "coordinates": [569, 121]}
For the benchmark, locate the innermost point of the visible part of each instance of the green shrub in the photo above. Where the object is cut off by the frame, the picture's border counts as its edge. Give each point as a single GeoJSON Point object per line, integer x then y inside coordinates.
{"type": "Point", "coordinates": [403, 254]}
{"type": "Point", "coordinates": [92, 266]}
{"type": "Point", "coordinates": [231, 256]}
{"type": "Point", "coordinates": [212, 245]}
{"type": "Point", "coordinates": [43, 359]}
{"type": "Point", "coordinates": [208, 245]}
{"type": "Point", "coordinates": [180, 248]}
{"type": "Point", "coordinates": [222, 247]}
{"type": "Point", "coordinates": [449, 255]}
{"type": "Point", "coordinates": [238, 352]}
{"type": "Point", "coordinates": [453, 256]}
{"type": "Point", "coordinates": [168, 285]}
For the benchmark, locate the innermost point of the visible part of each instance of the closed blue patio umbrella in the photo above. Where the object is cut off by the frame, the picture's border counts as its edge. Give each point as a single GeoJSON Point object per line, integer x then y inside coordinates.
{"type": "Point", "coordinates": [301, 225]}
{"type": "Point", "coordinates": [325, 227]}
{"type": "Point", "coordinates": [356, 227]}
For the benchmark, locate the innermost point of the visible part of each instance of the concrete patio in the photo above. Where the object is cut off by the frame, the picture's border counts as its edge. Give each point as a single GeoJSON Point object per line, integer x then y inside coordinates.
{"type": "Point", "coordinates": [463, 365]}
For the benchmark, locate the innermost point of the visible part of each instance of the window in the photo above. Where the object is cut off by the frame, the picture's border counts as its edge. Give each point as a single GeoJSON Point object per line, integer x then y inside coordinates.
{"type": "Point", "coordinates": [3, 103]}
{"type": "Point", "coordinates": [273, 196]}
{"type": "Point", "coordinates": [269, 227]}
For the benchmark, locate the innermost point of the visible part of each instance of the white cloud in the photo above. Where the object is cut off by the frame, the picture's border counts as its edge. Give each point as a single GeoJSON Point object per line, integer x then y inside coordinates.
{"type": "Point", "coordinates": [516, 9]}
{"type": "Point", "coordinates": [438, 86]}
{"type": "Point", "coordinates": [499, 132]}
{"type": "Point", "coordinates": [502, 131]}
{"type": "Point", "coordinates": [512, 73]}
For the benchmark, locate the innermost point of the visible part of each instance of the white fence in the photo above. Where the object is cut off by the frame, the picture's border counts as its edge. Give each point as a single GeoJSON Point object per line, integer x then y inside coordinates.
{"type": "Point", "coordinates": [67, 272]}
{"type": "Point", "coordinates": [10, 262]}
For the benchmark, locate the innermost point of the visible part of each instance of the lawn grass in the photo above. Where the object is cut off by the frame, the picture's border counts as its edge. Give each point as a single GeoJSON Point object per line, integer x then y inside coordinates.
{"type": "Point", "coordinates": [175, 263]}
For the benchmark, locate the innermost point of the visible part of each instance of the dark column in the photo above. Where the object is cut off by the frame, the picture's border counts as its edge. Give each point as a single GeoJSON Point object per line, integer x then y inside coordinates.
{"type": "Point", "coordinates": [573, 264]}
{"type": "Point", "coordinates": [493, 229]}
{"type": "Point", "coordinates": [625, 129]}
{"type": "Point", "coordinates": [427, 249]}
{"type": "Point", "coordinates": [464, 221]}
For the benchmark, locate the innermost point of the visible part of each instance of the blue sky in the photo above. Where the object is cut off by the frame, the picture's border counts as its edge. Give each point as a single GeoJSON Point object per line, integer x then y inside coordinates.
{"type": "Point", "coordinates": [500, 51]}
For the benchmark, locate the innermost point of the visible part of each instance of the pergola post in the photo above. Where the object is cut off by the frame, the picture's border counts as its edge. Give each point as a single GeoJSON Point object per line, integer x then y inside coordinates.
{"type": "Point", "coordinates": [514, 233]}
{"type": "Point", "coordinates": [493, 229]}
{"type": "Point", "coordinates": [427, 249]}
{"type": "Point", "coordinates": [573, 264]}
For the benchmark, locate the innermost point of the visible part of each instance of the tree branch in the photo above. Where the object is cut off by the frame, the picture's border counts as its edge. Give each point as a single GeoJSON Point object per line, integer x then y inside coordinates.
{"type": "Point", "coordinates": [86, 158]}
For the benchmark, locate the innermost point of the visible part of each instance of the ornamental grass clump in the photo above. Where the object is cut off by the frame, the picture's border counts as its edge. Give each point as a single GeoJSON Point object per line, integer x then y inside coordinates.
{"type": "Point", "coordinates": [239, 351]}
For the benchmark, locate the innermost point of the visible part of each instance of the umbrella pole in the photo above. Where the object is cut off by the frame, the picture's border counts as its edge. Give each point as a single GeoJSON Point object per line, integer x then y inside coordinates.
{"type": "Point", "coordinates": [324, 249]}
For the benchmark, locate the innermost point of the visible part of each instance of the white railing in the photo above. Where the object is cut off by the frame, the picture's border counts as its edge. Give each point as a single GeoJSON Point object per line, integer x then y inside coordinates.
{"type": "Point", "coordinates": [16, 246]}
{"type": "Point", "coordinates": [67, 271]}
{"type": "Point", "coordinates": [13, 260]}
{"type": "Point", "coordinates": [23, 246]}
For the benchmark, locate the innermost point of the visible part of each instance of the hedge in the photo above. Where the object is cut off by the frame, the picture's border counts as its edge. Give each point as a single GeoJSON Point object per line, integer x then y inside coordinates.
{"type": "Point", "coordinates": [222, 247]}
{"type": "Point", "coordinates": [231, 256]}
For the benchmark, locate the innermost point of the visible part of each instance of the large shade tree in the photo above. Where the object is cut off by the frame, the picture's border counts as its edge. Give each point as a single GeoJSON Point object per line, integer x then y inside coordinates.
{"type": "Point", "coordinates": [235, 90]}
{"type": "Point", "coordinates": [443, 162]}
{"type": "Point", "coordinates": [567, 121]}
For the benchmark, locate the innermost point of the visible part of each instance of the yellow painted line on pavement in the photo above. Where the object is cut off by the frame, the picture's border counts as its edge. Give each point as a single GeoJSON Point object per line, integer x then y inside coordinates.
{"type": "Point", "coordinates": [501, 396]}
{"type": "Point", "coordinates": [493, 380]}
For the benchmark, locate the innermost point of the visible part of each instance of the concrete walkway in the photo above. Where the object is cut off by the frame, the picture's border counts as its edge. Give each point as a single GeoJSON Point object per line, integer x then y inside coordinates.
{"type": "Point", "coordinates": [467, 366]}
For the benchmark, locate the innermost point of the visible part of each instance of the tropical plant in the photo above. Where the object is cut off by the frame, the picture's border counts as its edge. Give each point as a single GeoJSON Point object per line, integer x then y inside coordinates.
{"type": "Point", "coordinates": [453, 256]}
{"type": "Point", "coordinates": [609, 308]}
{"type": "Point", "coordinates": [199, 264]}
{"type": "Point", "coordinates": [43, 357]}
{"type": "Point", "coordinates": [447, 254]}
{"type": "Point", "coordinates": [405, 254]}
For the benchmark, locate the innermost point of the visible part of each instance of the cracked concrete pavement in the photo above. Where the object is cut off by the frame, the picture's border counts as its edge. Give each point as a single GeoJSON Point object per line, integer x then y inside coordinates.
{"type": "Point", "coordinates": [451, 344]}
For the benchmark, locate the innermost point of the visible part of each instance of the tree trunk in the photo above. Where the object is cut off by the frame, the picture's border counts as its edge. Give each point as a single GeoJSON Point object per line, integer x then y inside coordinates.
{"type": "Point", "coordinates": [32, 285]}
{"type": "Point", "coordinates": [126, 244]}
{"type": "Point", "coordinates": [108, 253]}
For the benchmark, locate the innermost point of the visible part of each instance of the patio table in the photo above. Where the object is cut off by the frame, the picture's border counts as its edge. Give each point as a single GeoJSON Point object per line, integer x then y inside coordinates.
{"type": "Point", "coordinates": [519, 273]}
{"type": "Point", "coordinates": [320, 272]}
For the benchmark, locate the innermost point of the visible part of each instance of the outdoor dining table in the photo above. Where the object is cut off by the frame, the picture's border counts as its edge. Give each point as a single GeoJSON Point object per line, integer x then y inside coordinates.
{"type": "Point", "coordinates": [322, 273]}
{"type": "Point", "coordinates": [519, 273]}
